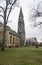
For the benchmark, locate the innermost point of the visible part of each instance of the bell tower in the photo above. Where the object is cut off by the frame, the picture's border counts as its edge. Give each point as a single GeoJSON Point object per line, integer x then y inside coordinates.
{"type": "Point", "coordinates": [21, 28]}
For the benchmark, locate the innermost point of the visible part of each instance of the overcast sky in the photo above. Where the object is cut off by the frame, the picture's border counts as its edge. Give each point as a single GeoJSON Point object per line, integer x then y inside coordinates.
{"type": "Point", "coordinates": [29, 29]}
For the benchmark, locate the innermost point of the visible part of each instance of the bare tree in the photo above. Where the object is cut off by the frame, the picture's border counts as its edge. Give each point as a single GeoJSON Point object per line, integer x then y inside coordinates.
{"type": "Point", "coordinates": [6, 13]}
{"type": "Point", "coordinates": [36, 13]}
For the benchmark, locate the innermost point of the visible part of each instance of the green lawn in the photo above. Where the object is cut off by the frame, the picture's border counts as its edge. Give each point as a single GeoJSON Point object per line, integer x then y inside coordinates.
{"type": "Point", "coordinates": [21, 56]}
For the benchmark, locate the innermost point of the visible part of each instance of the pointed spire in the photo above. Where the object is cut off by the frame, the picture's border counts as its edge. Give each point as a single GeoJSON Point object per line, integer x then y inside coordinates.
{"type": "Point", "coordinates": [21, 27]}
{"type": "Point", "coordinates": [21, 13]}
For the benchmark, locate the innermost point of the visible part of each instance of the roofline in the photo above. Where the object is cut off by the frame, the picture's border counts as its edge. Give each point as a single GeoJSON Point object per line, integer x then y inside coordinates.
{"type": "Point", "coordinates": [14, 35]}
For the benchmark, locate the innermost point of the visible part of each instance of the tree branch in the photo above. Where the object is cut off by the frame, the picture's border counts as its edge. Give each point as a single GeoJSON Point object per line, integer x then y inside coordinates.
{"type": "Point", "coordinates": [2, 8]}
{"type": "Point", "coordinates": [39, 24]}
{"type": "Point", "coordinates": [36, 25]}
{"type": "Point", "coordinates": [11, 9]}
{"type": "Point", "coordinates": [2, 16]}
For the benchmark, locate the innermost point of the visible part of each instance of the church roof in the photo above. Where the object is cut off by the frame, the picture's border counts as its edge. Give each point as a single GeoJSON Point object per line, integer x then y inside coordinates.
{"type": "Point", "coordinates": [13, 33]}
{"type": "Point", "coordinates": [10, 30]}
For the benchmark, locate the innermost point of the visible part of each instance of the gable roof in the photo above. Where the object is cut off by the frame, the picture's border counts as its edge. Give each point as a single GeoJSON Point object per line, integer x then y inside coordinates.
{"type": "Point", "coordinates": [10, 30]}
{"type": "Point", "coordinates": [13, 33]}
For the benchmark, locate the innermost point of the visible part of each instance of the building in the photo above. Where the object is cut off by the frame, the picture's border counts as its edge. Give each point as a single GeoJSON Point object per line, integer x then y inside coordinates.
{"type": "Point", "coordinates": [21, 28]}
{"type": "Point", "coordinates": [12, 38]}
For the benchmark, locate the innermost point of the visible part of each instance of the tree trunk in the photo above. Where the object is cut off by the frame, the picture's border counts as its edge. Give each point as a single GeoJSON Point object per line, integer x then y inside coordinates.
{"type": "Point", "coordinates": [3, 40]}
{"type": "Point", "coordinates": [4, 32]}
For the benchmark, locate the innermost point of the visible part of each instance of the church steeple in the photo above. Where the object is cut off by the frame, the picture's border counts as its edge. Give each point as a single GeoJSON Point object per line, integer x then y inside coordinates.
{"type": "Point", "coordinates": [21, 27]}
{"type": "Point", "coordinates": [21, 13]}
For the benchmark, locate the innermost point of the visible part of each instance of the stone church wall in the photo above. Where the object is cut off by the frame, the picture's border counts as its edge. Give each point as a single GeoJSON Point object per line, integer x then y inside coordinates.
{"type": "Point", "coordinates": [13, 42]}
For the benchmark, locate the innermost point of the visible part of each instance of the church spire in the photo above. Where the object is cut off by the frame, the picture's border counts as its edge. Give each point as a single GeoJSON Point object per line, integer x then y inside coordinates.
{"type": "Point", "coordinates": [21, 27]}
{"type": "Point", "coordinates": [21, 13]}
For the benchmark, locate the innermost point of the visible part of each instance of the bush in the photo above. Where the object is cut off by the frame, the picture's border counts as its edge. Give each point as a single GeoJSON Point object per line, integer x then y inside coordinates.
{"type": "Point", "coordinates": [36, 46]}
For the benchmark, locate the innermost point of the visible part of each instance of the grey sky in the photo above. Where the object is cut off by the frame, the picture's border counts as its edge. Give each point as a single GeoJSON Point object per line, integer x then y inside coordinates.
{"type": "Point", "coordinates": [30, 31]}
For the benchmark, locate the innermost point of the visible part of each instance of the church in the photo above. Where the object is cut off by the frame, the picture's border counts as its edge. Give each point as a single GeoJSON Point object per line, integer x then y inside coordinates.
{"type": "Point", "coordinates": [21, 28]}
{"type": "Point", "coordinates": [12, 38]}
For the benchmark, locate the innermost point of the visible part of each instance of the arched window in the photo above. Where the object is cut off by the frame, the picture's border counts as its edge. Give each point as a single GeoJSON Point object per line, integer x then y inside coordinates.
{"type": "Point", "coordinates": [13, 40]}
{"type": "Point", "coordinates": [10, 39]}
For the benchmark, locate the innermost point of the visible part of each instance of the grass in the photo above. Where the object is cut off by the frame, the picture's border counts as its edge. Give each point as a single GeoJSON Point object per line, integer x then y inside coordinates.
{"type": "Point", "coordinates": [21, 56]}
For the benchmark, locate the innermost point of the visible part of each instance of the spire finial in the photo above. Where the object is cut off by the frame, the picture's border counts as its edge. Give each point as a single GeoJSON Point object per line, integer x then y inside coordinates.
{"type": "Point", "coordinates": [21, 13]}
